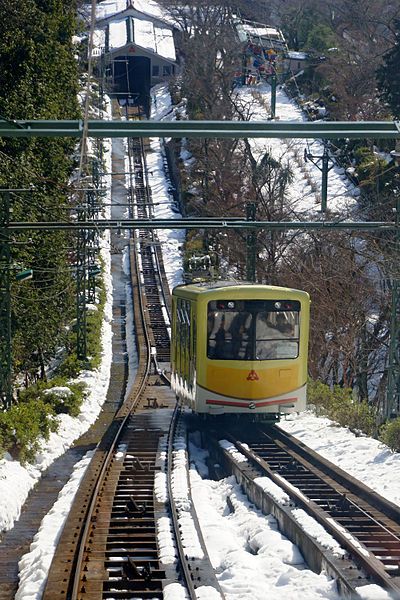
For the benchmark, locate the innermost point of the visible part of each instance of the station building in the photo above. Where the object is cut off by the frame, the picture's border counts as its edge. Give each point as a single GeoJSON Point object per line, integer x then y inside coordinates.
{"type": "Point", "coordinates": [136, 48]}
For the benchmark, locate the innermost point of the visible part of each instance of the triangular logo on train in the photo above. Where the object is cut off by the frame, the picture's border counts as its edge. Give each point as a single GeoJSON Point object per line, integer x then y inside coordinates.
{"type": "Point", "coordinates": [252, 376]}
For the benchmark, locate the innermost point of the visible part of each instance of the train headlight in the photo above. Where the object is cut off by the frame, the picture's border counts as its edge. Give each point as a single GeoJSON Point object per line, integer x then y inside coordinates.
{"type": "Point", "coordinates": [231, 305]}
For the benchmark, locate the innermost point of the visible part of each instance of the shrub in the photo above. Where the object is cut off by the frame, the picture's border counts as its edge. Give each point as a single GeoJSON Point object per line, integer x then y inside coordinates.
{"type": "Point", "coordinates": [60, 396]}
{"type": "Point", "coordinates": [65, 399]}
{"type": "Point", "coordinates": [70, 367]}
{"type": "Point", "coordinates": [338, 404]}
{"type": "Point", "coordinates": [390, 434]}
{"type": "Point", "coordinates": [319, 395]}
{"type": "Point", "coordinates": [23, 426]}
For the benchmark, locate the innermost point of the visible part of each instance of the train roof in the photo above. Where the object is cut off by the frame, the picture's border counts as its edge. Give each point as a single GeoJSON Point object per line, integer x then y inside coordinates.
{"type": "Point", "coordinates": [203, 287]}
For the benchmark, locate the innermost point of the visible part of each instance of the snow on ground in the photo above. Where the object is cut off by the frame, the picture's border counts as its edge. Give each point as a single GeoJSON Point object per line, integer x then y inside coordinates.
{"type": "Point", "coordinates": [305, 188]}
{"type": "Point", "coordinates": [366, 459]}
{"type": "Point", "coordinates": [171, 240]}
{"type": "Point", "coordinates": [16, 480]}
{"type": "Point", "coordinates": [35, 564]}
{"type": "Point", "coordinates": [246, 549]}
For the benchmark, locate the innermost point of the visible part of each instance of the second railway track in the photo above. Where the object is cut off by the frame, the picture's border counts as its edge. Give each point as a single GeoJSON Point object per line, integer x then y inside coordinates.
{"type": "Point", "coordinates": [366, 525]}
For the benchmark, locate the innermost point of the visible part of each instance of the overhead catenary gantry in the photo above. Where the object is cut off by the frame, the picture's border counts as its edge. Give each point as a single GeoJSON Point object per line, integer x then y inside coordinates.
{"type": "Point", "coordinates": [203, 129]}
{"type": "Point", "coordinates": [202, 223]}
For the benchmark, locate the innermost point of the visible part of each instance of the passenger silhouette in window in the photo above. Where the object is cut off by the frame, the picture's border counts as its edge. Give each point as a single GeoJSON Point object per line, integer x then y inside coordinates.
{"type": "Point", "coordinates": [239, 335]}
{"type": "Point", "coordinates": [220, 340]}
{"type": "Point", "coordinates": [283, 325]}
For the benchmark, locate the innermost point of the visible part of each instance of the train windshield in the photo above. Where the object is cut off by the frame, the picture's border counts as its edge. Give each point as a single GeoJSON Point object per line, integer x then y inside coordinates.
{"type": "Point", "coordinates": [253, 329]}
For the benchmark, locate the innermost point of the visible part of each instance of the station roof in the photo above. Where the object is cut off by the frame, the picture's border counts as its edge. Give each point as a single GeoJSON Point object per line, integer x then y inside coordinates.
{"type": "Point", "coordinates": [146, 34]}
{"type": "Point", "coordinates": [149, 8]}
{"type": "Point", "coordinates": [146, 22]}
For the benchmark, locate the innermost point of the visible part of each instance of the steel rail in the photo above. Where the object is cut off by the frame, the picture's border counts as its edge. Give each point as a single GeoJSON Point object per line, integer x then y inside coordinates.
{"type": "Point", "coordinates": [318, 557]}
{"type": "Point", "coordinates": [354, 485]}
{"type": "Point", "coordinates": [202, 129]}
{"type": "Point", "coordinates": [202, 223]}
{"type": "Point", "coordinates": [155, 241]}
{"type": "Point", "coordinates": [109, 455]}
{"type": "Point", "coordinates": [189, 575]}
{"type": "Point", "coordinates": [363, 557]}
{"type": "Point", "coordinates": [174, 511]}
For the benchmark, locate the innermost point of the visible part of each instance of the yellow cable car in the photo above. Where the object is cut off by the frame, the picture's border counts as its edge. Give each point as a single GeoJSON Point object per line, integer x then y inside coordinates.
{"type": "Point", "coordinates": [240, 348]}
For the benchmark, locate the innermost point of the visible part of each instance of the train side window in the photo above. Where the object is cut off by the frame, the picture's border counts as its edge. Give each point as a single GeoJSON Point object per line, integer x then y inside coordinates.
{"type": "Point", "coordinates": [186, 316]}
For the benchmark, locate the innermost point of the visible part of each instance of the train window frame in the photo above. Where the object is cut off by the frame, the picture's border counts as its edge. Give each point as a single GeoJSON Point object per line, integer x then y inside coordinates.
{"type": "Point", "coordinates": [245, 344]}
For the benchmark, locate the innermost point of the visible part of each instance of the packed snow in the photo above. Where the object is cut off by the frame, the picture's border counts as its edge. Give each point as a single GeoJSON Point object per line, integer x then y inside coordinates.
{"type": "Point", "coordinates": [367, 459]}
{"type": "Point", "coordinates": [34, 565]}
{"type": "Point", "coordinates": [246, 549]}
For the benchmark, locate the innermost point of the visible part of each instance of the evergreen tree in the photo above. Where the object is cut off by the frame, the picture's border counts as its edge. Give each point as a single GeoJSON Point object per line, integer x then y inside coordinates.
{"type": "Point", "coordinates": [388, 75]}
{"type": "Point", "coordinates": [39, 80]}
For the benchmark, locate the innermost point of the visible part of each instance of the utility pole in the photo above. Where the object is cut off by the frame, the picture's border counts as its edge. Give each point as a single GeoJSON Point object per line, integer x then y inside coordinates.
{"type": "Point", "coordinates": [81, 284]}
{"type": "Point", "coordinates": [273, 93]}
{"type": "Point", "coordinates": [92, 245]}
{"type": "Point", "coordinates": [393, 382]}
{"type": "Point", "coordinates": [251, 243]}
{"type": "Point", "coordinates": [324, 168]}
{"type": "Point", "coordinates": [5, 302]}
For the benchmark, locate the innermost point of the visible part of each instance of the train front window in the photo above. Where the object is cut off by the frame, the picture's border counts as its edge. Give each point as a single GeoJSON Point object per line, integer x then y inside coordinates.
{"type": "Point", "coordinates": [253, 329]}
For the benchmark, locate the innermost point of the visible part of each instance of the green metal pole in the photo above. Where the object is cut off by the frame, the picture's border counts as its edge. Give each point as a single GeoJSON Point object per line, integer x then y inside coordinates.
{"type": "Point", "coordinates": [324, 185]}
{"type": "Point", "coordinates": [5, 303]}
{"type": "Point", "coordinates": [393, 384]}
{"type": "Point", "coordinates": [273, 95]}
{"type": "Point", "coordinates": [251, 244]}
{"type": "Point", "coordinates": [81, 280]}
{"type": "Point", "coordinates": [92, 244]}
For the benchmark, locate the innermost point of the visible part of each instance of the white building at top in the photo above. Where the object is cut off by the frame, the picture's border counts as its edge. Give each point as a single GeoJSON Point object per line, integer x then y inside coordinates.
{"type": "Point", "coordinates": [136, 43]}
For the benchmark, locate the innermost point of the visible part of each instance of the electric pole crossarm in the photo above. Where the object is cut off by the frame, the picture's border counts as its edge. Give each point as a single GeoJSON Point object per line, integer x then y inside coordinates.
{"type": "Point", "coordinates": [210, 223]}
{"type": "Point", "coordinates": [203, 129]}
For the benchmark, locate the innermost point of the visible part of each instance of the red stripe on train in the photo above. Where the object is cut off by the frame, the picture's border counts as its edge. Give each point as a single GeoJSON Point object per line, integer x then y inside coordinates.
{"type": "Point", "coordinates": [246, 404]}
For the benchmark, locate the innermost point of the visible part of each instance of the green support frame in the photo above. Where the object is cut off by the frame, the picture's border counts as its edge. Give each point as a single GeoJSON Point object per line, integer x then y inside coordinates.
{"type": "Point", "coordinates": [393, 385]}
{"type": "Point", "coordinates": [92, 248]}
{"type": "Point", "coordinates": [251, 240]}
{"type": "Point", "coordinates": [81, 287]}
{"type": "Point", "coordinates": [203, 223]}
{"type": "Point", "coordinates": [5, 302]}
{"type": "Point", "coordinates": [204, 129]}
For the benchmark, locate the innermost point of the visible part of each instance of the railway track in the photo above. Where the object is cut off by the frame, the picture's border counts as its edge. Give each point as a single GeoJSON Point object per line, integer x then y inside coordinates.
{"type": "Point", "coordinates": [154, 286]}
{"type": "Point", "coordinates": [366, 525]}
{"type": "Point", "coordinates": [110, 544]}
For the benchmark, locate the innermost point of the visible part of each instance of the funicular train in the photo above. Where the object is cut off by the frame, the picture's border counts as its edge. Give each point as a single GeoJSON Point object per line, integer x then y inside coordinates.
{"type": "Point", "coordinates": [240, 348]}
